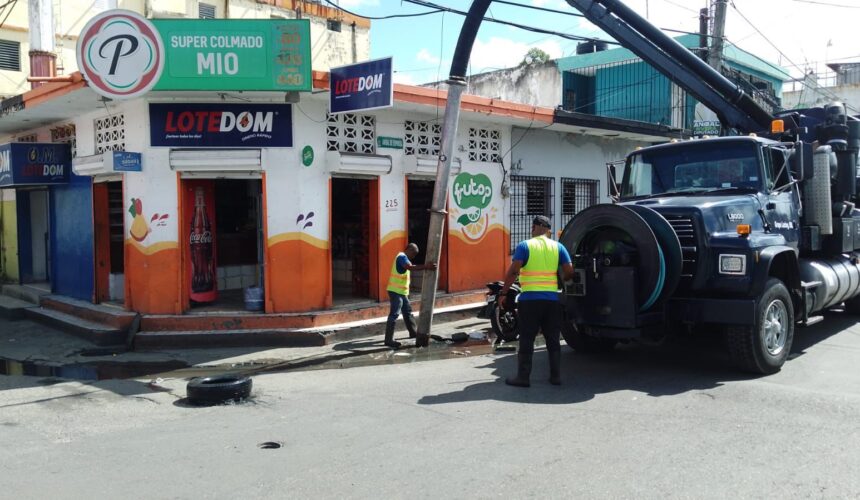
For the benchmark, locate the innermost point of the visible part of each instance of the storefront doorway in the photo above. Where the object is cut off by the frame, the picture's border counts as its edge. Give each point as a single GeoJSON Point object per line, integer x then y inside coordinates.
{"type": "Point", "coordinates": [34, 237]}
{"type": "Point", "coordinates": [223, 227]}
{"type": "Point", "coordinates": [109, 235]}
{"type": "Point", "coordinates": [355, 239]}
{"type": "Point", "coordinates": [419, 200]}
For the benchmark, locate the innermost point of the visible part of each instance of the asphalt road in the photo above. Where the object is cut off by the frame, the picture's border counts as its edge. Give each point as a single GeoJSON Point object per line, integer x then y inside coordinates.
{"type": "Point", "coordinates": [645, 422]}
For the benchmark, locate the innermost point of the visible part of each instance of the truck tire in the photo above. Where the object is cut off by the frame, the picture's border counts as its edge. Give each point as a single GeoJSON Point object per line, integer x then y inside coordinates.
{"type": "Point", "coordinates": [764, 347]}
{"type": "Point", "coordinates": [583, 343]}
{"type": "Point", "coordinates": [218, 389]}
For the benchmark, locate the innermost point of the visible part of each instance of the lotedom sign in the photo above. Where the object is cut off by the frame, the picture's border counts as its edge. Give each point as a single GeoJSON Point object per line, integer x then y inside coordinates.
{"type": "Point", "coordinates": [236, 54]}
{"type": "Point", "coordinates": [120, 54]}
{"type": "Point", "coordinates": [218, 125]}
{"type": "Point", "coordinates": [361, 86]}
{"type": "Point", "coordinates": [34, 164]}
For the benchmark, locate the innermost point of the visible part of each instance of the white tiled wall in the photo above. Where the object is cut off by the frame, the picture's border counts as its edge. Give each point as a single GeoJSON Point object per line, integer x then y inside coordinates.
{"type": "Point", "coordinates": [342, 271]}
{"type": "Point", "coordinates": [237, 277]}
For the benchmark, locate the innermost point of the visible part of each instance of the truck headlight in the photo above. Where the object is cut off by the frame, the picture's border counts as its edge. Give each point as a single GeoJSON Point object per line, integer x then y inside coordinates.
{"type": "Point", "coordinates": [733, 264]}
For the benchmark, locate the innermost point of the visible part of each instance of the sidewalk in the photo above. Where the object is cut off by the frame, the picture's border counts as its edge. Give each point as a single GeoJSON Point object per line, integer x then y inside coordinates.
{"type": "Point", "coordinates": [29, 348]}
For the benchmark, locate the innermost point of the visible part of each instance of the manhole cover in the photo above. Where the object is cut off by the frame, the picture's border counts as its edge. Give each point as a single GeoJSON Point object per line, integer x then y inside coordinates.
{"type": "Point", "coordinates": [270, 445]}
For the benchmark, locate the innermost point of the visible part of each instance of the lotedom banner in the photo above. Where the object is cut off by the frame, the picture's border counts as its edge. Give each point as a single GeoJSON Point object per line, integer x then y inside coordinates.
{"type": "Point", "coordinates": [361, 86]}
{"type": "Point", "coordinates": [219, 125]}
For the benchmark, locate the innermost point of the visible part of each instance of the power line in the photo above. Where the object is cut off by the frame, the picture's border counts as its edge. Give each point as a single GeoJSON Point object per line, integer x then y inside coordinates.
{"type": "Point", "coordinates": [828, 4]}
{"type": "Point", "coordinates": [382, 18]}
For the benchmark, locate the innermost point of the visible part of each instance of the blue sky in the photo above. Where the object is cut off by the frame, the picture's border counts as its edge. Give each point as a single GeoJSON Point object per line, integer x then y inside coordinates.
{"type": "Point", "coordinates": [794, 33]}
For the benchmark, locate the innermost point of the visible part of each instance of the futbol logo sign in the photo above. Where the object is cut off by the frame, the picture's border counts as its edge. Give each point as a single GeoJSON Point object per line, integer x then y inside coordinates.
{"type": "Point", "coordinates": [120, 54]}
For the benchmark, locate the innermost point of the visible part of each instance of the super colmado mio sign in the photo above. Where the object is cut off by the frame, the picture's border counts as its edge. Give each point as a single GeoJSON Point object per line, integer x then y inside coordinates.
{"type": "Point", "coordinates": [221, 125]}
{"type": "Point", "coordinates": [123, 55]}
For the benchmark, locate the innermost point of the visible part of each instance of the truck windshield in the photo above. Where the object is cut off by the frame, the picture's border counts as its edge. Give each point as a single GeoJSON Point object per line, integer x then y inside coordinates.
{"type": "Point", "coordinates": [693, 167]}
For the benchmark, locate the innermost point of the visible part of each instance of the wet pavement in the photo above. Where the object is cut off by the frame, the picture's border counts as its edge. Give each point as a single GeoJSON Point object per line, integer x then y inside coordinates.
{"type": "Point", "coordinates": [36, 350]}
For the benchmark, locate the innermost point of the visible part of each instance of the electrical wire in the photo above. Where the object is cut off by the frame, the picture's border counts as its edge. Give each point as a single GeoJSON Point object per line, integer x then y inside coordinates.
{"type": "Point", "coordinates": [382, 18]}
{"type": "Point", "coordinates": [828, 4]}
{"type": "Point", "coordinates": [817, 89]}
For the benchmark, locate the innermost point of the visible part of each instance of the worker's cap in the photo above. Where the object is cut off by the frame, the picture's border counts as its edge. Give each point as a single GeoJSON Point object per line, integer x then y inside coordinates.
{"type": "Point", "coordinates": [541, 220]}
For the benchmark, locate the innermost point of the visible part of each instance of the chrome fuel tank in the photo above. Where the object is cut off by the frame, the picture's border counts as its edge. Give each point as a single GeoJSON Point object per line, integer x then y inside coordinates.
{"type": "Point", "coordinates": [839, 277]}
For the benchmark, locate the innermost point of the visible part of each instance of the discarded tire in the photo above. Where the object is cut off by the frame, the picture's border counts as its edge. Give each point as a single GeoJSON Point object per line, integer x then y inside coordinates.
{"type": "Point", "coordinates": [218, 389]}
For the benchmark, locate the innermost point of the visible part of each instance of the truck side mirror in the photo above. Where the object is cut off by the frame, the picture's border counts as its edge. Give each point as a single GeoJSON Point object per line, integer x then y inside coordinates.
{"type": "Point", "coordinates": [611, 182]}
{"type": "Point", "coordinates": [800, 161]}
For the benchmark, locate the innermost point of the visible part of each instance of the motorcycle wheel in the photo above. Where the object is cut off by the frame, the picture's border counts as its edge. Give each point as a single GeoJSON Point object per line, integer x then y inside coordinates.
{"type": "Point", "coordinates": [504, 323]}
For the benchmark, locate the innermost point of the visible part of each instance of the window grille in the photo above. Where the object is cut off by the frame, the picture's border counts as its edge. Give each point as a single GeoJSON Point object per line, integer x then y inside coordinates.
{"type": "Point", "coordinates": [576, 196]}
{"type": "Point", "coordinates": [333, 25]}
{"type": "Point", "coordinates": [110, 133]}
{"type": "Point", "coordinates": [206, 11]}
{"type": "Point", "coordinates": [351, 133]}
{"type": "Point", "coordinates": [10, 55]}
{"type": "Point", "coordinates": [66, 134]}
{"type": "Point", "coordinates": [422, 138]}
{"type": "Point", "coordinates": [28, 138]}
{"type": "Point", "coordinates": [485, 145]}
{"type": "Point", "coordinates": [530, 196]}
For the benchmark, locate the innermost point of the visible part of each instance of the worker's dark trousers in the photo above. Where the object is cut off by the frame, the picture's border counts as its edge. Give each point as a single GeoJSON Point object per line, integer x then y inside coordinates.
{"type": "Point", "coordinates": [539, 315]}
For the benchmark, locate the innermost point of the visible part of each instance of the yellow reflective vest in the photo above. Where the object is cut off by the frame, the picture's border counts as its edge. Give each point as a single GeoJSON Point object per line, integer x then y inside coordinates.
{"type": "Point", "coordinates": [540, 274]}
{"type": "Point", "coordinates": [398, 282]}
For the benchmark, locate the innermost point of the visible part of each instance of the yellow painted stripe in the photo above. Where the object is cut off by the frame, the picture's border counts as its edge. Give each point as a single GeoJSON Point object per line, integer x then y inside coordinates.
{"type": "Point", "coordinates": [297, 236]}
{"type": "Point", "coordinates": [154, 248]}
{"type": "Point", "coordinates": [392, 236]}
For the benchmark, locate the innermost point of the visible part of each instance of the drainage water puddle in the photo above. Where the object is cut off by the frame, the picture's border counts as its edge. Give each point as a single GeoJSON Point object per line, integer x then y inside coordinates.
{"type": "Point", "coordinates": [89, 371]}
{"type": "Point", "coordinates": [342, 356]}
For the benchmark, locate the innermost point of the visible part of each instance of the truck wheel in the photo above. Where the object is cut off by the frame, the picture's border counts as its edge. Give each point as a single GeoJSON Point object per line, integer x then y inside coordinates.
{"type": "Point", "coordinates": [764, 347]}
{"type": "Point", "coordinates": [583, 343]}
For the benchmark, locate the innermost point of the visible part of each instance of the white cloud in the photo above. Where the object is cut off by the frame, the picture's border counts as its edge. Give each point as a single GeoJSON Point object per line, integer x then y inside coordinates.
{"type": "Point", "coordinates": [499, 53]}
{"type": "Point", "coordinates": [425, 56]}
{"type": "Point", "coordinates": [404, 78]}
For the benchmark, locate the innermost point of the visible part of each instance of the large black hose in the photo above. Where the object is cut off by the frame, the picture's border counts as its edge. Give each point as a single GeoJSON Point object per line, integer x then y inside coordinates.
{"type": "Point", "coordinates": [466, 40]}
{"type": "Point", "coordinates": [659, 251]}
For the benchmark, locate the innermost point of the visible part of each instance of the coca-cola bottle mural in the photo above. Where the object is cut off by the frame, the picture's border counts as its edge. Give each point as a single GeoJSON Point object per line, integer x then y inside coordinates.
{"type": "Point", "coordinates": [204, 282]}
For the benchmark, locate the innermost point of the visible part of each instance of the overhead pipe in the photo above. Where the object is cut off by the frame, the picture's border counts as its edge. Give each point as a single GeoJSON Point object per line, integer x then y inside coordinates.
{"type": "Point", "coordinates": [612, 15]}
{"type": "Point", "coordinates": [456, 85]}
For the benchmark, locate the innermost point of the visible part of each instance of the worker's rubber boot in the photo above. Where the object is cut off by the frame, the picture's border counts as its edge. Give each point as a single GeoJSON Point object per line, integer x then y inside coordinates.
{"type": "Point", "coordinates": [411, 325]}
{"type": "Point", "coordinates": [524, 370]}
{"type": "Point", "coordinates": [389, 337]}
{"type": "Point", "coordinates": [555, 367]}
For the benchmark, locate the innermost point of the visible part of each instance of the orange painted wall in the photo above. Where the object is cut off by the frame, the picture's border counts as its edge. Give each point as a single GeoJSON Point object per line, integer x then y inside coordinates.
{"type": "Point", "coordinates": [152, 278]}
{"type": "Point", "coordinates": [299, 273]}
{"type": "Point", "coordinates": [472, 264]}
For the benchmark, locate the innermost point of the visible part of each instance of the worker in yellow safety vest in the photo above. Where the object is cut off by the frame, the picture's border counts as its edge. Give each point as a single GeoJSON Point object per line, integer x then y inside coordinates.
{"type": "Point", "coordinates": [536, 261]}
{"type": "Point", "coordinates": [398, 293]}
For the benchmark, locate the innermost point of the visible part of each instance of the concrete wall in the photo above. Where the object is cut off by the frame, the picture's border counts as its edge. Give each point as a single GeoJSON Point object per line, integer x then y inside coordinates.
{"type": "Point", "coordinates": [557, 155]}
{"type": "Point", "coordinates": [535, 84]}
{"type": "Point", "coordinates": [329, 48]}
{"type": "Point", "coordinates": [849, 94]}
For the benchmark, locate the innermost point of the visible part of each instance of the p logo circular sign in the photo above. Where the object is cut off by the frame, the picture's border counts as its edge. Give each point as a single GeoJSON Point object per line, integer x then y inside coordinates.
{"type": "Point", "coordinates": [120, 53]}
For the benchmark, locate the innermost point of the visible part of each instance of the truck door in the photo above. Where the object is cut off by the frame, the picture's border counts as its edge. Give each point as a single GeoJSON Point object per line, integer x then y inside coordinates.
{"type": "Point", "coordinates": [782, 199]}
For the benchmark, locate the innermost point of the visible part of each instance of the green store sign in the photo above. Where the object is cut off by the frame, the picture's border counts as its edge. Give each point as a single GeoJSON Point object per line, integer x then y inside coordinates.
{"type": "Point", "coordinates": [472, 193]}
{"type": "Point", "coordinates": [234, 54]}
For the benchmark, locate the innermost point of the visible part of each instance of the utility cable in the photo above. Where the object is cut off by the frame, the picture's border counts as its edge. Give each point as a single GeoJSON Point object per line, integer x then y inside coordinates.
{"type": "Point", "coordinates": [381, 18]}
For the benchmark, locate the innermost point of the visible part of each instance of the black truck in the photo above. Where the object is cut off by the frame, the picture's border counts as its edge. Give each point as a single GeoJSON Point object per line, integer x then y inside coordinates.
{"type": "Point", "coordinates": [751, 233]}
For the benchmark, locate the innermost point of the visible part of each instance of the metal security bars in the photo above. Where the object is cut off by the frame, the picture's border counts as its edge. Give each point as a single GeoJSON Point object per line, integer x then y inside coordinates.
{"type": "Point", "coordinates": [576, 196]}
{"type": "Point", "coordinates": [206, 11]}
{"type": "Point", "coordinates": [530, 196]}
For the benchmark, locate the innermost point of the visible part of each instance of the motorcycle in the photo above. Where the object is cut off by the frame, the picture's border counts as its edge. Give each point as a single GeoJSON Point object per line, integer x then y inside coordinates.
{"type": "Point", "coordinates": [504, 322]}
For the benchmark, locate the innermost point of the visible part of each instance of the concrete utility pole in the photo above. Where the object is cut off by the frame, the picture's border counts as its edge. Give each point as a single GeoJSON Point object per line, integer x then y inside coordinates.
{"type": "Point", "coordinates": [715, 55]}
{"type": "Point", "coordinates": [456, 84]}
{"type": "Point", "coordinates": [42, 54]}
